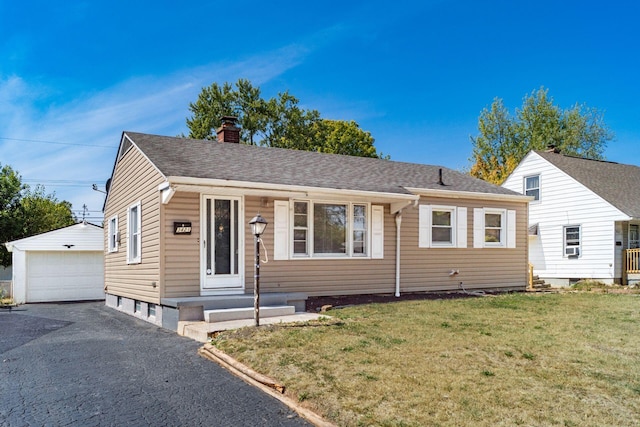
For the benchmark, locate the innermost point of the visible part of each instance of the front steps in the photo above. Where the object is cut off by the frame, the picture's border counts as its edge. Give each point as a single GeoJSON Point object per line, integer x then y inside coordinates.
{"type": "Point", "coordinates": [227, 314]}
{"type": "Point", "coordinates": [200, 317]}
{"type": "Point", "coordinates": [539, 284]}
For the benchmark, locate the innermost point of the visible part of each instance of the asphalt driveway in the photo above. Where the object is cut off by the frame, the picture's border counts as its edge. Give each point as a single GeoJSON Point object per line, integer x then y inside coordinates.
{"type": "Point", "coordinates": [84, 364]}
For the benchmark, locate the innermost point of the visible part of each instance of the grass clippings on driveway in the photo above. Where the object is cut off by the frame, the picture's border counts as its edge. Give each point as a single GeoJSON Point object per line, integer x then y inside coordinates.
{"type": "Point", "coordinates": [520, 359]}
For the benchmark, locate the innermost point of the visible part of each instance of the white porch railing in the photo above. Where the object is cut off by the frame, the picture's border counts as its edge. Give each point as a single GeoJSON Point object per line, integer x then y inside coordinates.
{"type": "Point", "coordinates": [632, 261]}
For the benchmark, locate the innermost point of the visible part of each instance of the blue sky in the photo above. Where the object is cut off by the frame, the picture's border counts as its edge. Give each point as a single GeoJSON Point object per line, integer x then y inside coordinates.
{"type": "Point", "coordinates": [416, 74]}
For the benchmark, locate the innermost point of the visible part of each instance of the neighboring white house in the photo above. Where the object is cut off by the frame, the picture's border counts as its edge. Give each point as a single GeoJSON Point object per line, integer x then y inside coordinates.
{"type": "Point", "coordinates": [62, 265]}
{"type": "Point", "coordinates": [584, 219]}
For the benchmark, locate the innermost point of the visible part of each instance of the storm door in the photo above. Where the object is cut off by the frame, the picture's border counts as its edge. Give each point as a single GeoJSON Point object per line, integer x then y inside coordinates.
{"type": "Point", "coordinates": [222, 243]}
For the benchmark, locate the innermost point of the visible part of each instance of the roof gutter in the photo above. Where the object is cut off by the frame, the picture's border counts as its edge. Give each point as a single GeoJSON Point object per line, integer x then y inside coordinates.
{"type": "Point", "coordinates": [262, 188]}
{"type": "Point", "coordinates": [451, 194]}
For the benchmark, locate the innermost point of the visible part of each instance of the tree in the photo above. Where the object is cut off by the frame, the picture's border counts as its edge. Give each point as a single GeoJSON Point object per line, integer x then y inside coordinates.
{"type": "Point", "coordinates": [25, 212]}
{"type": "Point", "coordinates": [276, 122]}
{"type": "Point", "coordinates": [40, 212]}
{"type": "Point", "coordinates": [11, 189]}
{"type": "Point", "coordinates": [342, 137]}
{"type": "Point", "coordinates": [504, 139]}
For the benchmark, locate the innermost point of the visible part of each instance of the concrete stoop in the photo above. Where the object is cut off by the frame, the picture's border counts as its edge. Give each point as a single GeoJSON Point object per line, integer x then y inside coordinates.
{"type": "Point", "coordinates": [202, 331]}
{"type": "Point", "coordinates": [238, 313]}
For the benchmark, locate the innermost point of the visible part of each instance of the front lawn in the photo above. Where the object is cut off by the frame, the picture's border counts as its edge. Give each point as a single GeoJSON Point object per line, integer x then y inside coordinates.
{"type": "Point", "coordinates": [568, 359]}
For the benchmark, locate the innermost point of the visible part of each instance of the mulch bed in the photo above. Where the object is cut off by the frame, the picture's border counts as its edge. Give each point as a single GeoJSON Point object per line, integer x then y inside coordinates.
{"type": "Point", "coordinates": [315, 304]}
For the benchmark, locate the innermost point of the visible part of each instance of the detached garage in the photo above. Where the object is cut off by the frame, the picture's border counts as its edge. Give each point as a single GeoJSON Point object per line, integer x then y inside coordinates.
{"type": "Point", "coordinates": [61, 265]}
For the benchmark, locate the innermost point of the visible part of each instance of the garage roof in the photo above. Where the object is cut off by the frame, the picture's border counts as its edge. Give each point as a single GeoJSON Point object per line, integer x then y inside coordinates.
{"type": "Point", "coordinates": [77, 237]}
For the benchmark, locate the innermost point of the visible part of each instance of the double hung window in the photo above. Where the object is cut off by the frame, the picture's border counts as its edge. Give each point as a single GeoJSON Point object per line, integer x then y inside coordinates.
{"type": "Point", "coordinates": [442, 221]}
{"type": "Point", "coordinates": [113, 234]}
{"type": "Point", "coordinates": [134, 241]}
{"type": "Point", "coordinates": [330, 229]}
{"type": "Point", "coordinates": [494, 228]}
{"type": "Point", "coordinates": [532, 186]}
{"type": "Point", "coordinates": [442, 226]}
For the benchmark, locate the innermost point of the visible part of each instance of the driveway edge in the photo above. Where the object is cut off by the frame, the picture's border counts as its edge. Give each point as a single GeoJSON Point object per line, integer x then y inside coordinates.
{"type": "Point", "coordinates": [260, 381]}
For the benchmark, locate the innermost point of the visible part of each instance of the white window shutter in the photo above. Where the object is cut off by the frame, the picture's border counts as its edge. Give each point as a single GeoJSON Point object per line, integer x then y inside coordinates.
{"type": "Point", "coordinates": [377, 232]}
{"type": "Point", "coordinates": [281, 230]}
{"type": "Point", "coordinates": [424, 226]}
{"type": "Point", "coordinates": [461, 227]}
{"type": "Point", "coordinates": [478, 228]}
{"type": "Point", "coordinates": [511, 229]}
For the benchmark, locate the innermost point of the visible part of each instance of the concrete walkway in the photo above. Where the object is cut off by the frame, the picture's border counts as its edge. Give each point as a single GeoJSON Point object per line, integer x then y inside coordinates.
{"type": "Point", "coordinates": [201, 331]}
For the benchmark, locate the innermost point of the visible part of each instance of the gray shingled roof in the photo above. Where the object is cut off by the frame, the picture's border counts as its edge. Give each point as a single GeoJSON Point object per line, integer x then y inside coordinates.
{"type": "Point", "coordinates": [616, 183]}
{"type": "Point", "coordinates": [213, 160]}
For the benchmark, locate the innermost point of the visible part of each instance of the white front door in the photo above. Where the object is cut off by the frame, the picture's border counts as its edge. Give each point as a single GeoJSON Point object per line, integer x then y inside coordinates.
{"type": "Point", "coordinates": [223, 251]}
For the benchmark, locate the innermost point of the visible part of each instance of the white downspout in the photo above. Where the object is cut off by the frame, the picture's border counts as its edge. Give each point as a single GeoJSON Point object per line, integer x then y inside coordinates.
{"type": "Point", "coordinates": [398, 222]}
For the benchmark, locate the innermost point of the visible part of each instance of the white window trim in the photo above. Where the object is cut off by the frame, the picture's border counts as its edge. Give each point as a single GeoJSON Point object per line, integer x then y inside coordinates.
{"type": "Point", "coordinates": [113, 234]}
{"type": "Point", "coordinates": [564, 241]}
{"type": "Point", "coordinates": [349, 231]}
{"type": "Point", "coordinates": [130, 258]}
{"type": "Point", "coordinates": [308, 228]}
{"type": "Point", "coordinates": [524, 186]}
{"type": "Point", "coordinates": [452, 211]}
{"type": "Point", "coordinates": [508, 233]}
{"type": "Point", "coordinates": [503, 228]}
{"type": "Point", "coordinates": [458, 226]}
{"type": "Point", "coordinates": [367, 230]}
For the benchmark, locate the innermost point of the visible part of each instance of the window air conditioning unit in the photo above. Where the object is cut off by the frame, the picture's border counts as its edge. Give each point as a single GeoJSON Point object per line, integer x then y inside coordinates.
{"type": "Point", "coordinates": [572, 251]}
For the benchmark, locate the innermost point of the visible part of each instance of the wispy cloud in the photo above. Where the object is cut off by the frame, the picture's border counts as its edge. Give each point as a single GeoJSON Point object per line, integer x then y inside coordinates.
{"type": "Point", "coordinates": [154, 104]}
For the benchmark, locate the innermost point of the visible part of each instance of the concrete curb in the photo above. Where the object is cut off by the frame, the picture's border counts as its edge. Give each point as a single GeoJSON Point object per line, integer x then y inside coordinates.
{"type": "Point", "coordinates": [262, 382]}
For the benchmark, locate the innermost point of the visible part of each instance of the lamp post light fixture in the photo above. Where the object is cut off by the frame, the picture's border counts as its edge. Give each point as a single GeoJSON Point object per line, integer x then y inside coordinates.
{"type": "Point", "coordinates": [258, 225]}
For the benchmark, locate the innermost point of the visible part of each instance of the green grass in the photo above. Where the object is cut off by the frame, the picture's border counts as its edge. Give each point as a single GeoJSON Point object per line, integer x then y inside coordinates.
{"type": "Point", "coordinates": [518, 359]}
{"type": "Point", "coordinates": [5, 300]}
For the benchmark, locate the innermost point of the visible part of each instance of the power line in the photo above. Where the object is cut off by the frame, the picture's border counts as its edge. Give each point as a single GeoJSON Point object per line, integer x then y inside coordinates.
{"type": "Point", "coordinates": [40, 141]}
{"type": "Point", "coordinates": [62, 182]}
{"type": "Point", "coordinates": [87, 181]}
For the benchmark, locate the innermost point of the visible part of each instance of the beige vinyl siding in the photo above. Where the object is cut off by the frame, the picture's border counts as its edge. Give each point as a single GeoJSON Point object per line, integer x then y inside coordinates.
{"type": "Point", "coordinates": [182, 252]}
{"type": "Point", "coordinates": [135, 179]}
{"type": "Point", "coordinates": [422, 269]}
{"type": "Point", "coordinates": [427, 269]}
{"type": "Point", "coordinates": [318, 276]}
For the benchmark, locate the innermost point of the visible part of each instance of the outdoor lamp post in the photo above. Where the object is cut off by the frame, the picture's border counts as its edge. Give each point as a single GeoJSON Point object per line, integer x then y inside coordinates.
{"type": "Point", "coordinates": [258, 225]}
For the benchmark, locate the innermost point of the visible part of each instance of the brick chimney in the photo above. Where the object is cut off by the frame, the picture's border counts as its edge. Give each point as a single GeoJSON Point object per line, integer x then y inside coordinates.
{"type": "Point", "coordinates": [229, 132]}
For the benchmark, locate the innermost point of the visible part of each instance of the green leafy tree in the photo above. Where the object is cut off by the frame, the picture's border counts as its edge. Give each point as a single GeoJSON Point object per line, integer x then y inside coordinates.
{"type": "Point", "coordinates": [504, 139]}
{"type": "Point", "coordinates": [40, 212]}
{"type": "Point", "coordinates": [342, 137]}
{"type": "Point", "coordinates": [276, 122]}
{"type": "Point", "coordinates": [11, 189]}
{"type": "Point", "coordinates": [25, 212]}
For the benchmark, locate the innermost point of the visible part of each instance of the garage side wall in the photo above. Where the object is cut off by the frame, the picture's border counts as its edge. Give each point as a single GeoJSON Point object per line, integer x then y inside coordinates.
{"type": "Point", "coordinates": [134, 180]}
{"type": "Point", "coordinates": [19, 291]}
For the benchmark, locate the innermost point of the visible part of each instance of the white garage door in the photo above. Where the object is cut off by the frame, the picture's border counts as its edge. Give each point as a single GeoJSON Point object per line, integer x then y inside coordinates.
{"type": "Point", "coordinates": [64, 276]}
